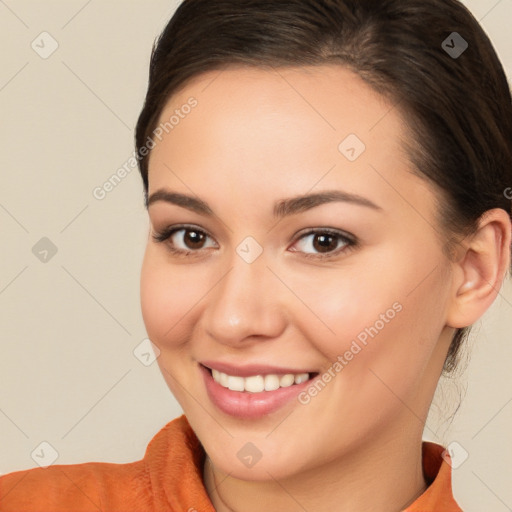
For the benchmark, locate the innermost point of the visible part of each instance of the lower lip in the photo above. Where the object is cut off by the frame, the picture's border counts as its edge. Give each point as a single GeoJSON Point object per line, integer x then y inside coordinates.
{"type": "Point", "coordinates": [249, 405]}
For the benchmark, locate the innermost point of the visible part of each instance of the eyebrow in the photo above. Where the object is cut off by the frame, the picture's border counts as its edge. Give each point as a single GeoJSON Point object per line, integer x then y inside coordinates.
{"type": "Point", "coordinates": [283, 208]}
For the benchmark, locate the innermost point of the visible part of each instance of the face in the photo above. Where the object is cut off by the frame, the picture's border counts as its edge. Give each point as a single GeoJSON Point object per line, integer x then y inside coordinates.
{"type": "Point", "coordinates": [348, 289]}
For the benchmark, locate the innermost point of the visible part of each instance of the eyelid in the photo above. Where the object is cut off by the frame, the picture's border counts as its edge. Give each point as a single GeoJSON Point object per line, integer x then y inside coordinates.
{"type": "Point", "coordinates": [328, 230]}
{"type": "Point", "coordinates": [166, 233]}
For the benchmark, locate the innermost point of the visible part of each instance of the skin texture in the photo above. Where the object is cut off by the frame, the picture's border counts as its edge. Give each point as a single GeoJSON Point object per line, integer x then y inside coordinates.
{"type": "Point", "coordinates": [257, 137]}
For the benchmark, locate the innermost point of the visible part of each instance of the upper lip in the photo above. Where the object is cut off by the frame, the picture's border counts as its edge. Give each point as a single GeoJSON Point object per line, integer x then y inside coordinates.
{"type": "Point", "coordinates": [248, 370]}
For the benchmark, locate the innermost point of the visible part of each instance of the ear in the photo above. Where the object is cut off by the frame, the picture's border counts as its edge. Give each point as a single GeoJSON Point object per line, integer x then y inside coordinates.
{"type": "Point", "coordinates": [482, 263]}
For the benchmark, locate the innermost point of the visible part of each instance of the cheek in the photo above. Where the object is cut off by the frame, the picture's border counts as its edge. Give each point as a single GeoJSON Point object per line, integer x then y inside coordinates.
{"type": "Point", "coordinates": [355, 304]}
{"type": "Point", "coordinates": [156, 296]}
{"type": "Point", "coordinates": [400, 356]}
{"type": "Point", "coordinates": [383, 316]}
{"type": "Point", "coordinates": [377, 367]}
{"type": "Point", "coordinates": [167, 295]}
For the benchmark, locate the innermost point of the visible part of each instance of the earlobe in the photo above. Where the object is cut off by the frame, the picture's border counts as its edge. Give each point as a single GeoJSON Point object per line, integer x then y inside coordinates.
{"type": "Point", "coordinates": [481, 268]}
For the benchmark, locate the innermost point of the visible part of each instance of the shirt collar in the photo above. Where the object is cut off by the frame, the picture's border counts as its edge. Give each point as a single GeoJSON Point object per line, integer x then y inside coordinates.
{"type": "Point", "coordinates": [438, 474]}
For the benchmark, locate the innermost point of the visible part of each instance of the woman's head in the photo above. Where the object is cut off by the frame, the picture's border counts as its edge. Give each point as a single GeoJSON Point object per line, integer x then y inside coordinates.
{"type": "Point", "coordinates": [276, 100]}
{"type": "Point", "coordinates": [459, 111]}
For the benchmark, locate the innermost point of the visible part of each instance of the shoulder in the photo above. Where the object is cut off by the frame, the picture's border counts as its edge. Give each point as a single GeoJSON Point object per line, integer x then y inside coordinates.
{"type": "Point", "coordinates": [78, 487]}
{"type": "Point", "coordinates": [94, 486]}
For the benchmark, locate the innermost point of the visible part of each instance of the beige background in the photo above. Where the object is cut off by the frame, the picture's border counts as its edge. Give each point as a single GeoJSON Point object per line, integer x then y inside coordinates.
{"type": "Point", "coordinates": [69, 325]}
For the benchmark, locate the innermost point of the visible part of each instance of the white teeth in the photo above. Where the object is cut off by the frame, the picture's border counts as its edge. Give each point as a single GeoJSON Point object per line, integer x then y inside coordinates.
{"type": "Point", "coordinates": [254, 384]}
{"type": "Point", "coordinates": [258, 383]}
{"type": "Point", "coordinates": [271, 382]}
{"type": "Point", "coordinates": [235, 383]}
{"type": "Point", "coordinates": [224, 379]}
{"type": "Point", "coordinates": [302, 377]}
{"type": "Point", "coordinates": [286, 380]}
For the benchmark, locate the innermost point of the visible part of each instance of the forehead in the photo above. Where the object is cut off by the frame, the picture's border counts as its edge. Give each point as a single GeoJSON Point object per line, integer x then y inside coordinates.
{"type": "Point", "coordinates": [329, 98]}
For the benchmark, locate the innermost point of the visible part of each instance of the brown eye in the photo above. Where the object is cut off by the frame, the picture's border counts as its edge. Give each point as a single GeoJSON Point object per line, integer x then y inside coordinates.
{"type": "Point", "coordinates": [193, 239]}
{"type": "Point", "coordinates": [184, 239]}
{"type": "Point", "coordinates": [323, 243]}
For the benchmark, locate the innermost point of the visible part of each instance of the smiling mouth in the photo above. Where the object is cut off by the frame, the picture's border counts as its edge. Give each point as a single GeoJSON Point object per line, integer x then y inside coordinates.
{"type": "Point", "coordinates": [259, 383]}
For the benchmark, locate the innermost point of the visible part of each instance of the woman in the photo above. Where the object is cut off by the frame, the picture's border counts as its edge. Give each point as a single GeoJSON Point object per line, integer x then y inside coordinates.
{"type": "Point", "coordinates": [326, 187]}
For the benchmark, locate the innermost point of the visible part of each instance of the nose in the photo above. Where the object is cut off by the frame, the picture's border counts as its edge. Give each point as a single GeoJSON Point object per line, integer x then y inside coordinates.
{"type": "Point", "coordinates": [246, 305]}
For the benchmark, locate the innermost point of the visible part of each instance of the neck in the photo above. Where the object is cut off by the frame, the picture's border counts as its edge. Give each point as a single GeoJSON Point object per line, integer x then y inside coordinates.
{"type": "Point", "coordinates": [384, 474]}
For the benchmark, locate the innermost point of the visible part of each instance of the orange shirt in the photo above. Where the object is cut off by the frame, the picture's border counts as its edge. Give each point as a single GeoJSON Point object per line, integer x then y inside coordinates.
{"type": "Point", "coordinates": [168, 478]}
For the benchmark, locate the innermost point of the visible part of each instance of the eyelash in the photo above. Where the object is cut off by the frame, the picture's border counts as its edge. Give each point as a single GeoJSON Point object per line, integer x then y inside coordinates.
{"type": "Point", "coordinates": [350, 241]}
